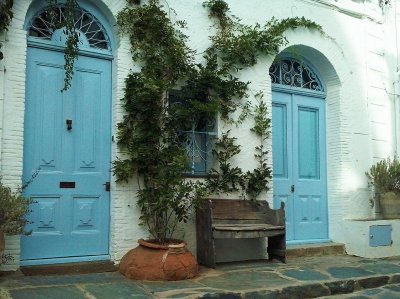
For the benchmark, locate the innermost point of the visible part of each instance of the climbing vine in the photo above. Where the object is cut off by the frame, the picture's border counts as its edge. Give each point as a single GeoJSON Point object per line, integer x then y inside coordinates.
{"type": "Point", "coordinates": [233, 179]}
{"type": "Point", "coordinates": [149, 135]}
{"type": "Point", "coordinates": [71, 49]}
{"type": "Point", "coordinates": [72, 43]}
{"type": "Point", "coordinates": [6, 15]}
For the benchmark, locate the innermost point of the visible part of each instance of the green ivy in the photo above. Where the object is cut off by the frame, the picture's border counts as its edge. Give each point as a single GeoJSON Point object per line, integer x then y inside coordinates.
{"type": "Point", "coordinates": [257, 180]}
{"type": "Point", "coordinates": [6, 16]}
{"type": "Point", "coordinates": [148, 135]}
{"type": "Point", "coordinates": [232, 179]}
{"type": "Point", "coordinates": [71, 50]}
{"type": "Point", "coordinates": [227, 178]}
{"type": "Point", "coordinates": [240, 45]}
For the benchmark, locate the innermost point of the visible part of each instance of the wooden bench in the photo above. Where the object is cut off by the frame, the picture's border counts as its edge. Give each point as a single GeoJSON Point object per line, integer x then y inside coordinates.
{"type": "Point", "coordinates": [234, 219]}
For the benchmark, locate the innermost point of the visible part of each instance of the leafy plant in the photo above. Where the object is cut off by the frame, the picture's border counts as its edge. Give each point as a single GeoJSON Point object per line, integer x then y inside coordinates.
{"type": "Point", "coordinates": [72, 43]}
{"type": "Point", "coordinates": [13, 209]}
{"type": "Point", "coordinates": [148, 133]}
{"type": "Point", "coordinates": [257, 180]}
{"type": "Point", "coordinates": [6, 16]}
{"type": "Point", "coordinates": [5, 259]}
{"type": "Point", "coordinates": [149, 136]}
{"type": "Point", "coordinates": [71, 50]}
{"type": "Point", "coordinates": [218, 9]}
{"type": "Point", "coordinates": [385, 176]}
{"type": "Point", "coordinates": [240, 45]}
{"type": "Point", "coordinates": [227, 178]}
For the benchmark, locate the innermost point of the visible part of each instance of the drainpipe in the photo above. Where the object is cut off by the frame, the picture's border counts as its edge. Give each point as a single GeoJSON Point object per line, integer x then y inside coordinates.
{"type": "Point", "coordinates": [396, 87]}
{"type": "Point", "coordinates": [2, 97]}
{"type": "Point", "coordinates": [397, 112]}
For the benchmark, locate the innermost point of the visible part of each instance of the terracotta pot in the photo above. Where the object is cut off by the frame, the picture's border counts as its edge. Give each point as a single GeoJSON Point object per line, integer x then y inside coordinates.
{"type": "Point", "coordinates": [390, 205]}
{"type": "Point", "coordinates": [152, 261]}
{"type": "Point", "coordinates": [2, 241]}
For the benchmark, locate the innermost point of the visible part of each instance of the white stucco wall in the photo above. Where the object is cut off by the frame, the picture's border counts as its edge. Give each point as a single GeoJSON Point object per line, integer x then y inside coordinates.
{"type": "Point", "coordinates": [356, 57]}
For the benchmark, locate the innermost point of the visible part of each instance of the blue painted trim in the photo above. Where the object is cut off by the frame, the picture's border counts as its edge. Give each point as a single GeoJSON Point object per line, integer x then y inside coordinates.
{"type": "Point", "coordinates": [298, 90]}
{"type": "Point", "coordinates": [89, 258]}
{"type": "Point", "coordinates": [48, 45]}
{"type": "Point", "coordinates": [312, 241]}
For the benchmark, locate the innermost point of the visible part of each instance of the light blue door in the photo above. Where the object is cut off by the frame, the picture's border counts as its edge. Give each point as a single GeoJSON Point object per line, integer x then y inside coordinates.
{"type": "Point", "coordinates": [67, 138]}
{"type": "Point", "coordinates": [299, 164]}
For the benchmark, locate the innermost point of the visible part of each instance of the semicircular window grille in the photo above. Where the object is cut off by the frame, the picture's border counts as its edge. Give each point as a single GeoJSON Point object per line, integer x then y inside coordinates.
{"type": "Point", "coordinates": [290, 72]}
{"type": "Point", "coordinates": [47, 22]}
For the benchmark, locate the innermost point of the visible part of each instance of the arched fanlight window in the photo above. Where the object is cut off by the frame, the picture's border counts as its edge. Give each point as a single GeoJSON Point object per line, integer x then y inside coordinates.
{"type": "Point", "coordinates": [47, 24]}
{"type": "Point", "coordinates": [290, 72]}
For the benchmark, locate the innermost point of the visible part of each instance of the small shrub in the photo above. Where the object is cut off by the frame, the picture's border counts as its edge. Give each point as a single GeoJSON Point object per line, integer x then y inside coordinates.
{"type": "Point", "coordinates": [385, 176]}
{"type": "Point", "coordinates": [13, 209]}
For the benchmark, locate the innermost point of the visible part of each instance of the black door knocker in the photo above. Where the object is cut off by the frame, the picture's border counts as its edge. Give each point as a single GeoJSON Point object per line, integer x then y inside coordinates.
{"type": "Point", "coordinates": [69, 124]}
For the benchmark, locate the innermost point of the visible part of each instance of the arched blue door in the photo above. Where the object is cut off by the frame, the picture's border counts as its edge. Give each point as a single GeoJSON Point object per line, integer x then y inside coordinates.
{"type": "Point", "coordinates": [299, 150]}
{"type": "Point", "coordinates": [67, 146]}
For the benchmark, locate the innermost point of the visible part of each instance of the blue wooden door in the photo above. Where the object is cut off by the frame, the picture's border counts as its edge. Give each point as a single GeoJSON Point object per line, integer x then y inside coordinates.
{"type": "Point", "coordinates": [67, 138]}
{"type": "Point", "coordinates": [299, 164]}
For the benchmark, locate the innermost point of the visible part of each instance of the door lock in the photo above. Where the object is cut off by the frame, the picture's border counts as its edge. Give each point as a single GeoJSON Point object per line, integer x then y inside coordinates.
{"type": "Point", "coordinates": [292, 188]}
{"type": "Point", "coordinates": [107, 185]}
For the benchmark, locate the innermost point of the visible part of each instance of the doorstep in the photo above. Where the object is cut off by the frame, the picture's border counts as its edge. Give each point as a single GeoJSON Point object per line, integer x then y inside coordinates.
{"type": "Point", "coordinates": [69, 268]}
{"type": "Point", "coordinates": [318, 249]}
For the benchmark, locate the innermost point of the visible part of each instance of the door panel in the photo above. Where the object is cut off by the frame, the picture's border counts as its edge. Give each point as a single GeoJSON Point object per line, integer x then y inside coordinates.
{"type": "Point", "coordinates": [307, 154]}
{"type": "Point", "coordinates": [304, 189]}
{"type": "Point", "coordinates": [70, 213]}
{"type": "Point", "coordinates": [282, 158]}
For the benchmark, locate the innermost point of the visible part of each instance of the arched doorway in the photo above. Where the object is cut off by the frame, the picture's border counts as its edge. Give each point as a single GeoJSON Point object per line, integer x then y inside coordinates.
{"type": "Point", "coordinates": [67, 141]}
{"type": "Point", "coordinates": [299, 148]}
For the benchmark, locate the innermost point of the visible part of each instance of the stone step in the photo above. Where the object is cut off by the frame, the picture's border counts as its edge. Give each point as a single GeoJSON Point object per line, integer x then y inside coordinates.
{"type": "Point", "coordinates": [319, 249]}
{"type": "Point", "coordinates": [69, 268]}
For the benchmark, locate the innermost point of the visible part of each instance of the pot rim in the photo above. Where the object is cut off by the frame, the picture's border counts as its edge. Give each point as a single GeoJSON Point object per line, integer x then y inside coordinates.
{"type": "Point", "coordinates": [175, 243]}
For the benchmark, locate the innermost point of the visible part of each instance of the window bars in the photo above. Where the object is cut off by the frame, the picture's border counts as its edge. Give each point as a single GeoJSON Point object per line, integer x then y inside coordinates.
{"type": "Point", "coordinates": [293, 73]}
{"type": "Point", "coordinates": [46, 22]}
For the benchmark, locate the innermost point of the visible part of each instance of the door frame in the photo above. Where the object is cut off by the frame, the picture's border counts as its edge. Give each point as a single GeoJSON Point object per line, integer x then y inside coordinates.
{"type": "Point", "coordinates": [318, 95]}
{"type": "Point", "coordinates": [32, 42]}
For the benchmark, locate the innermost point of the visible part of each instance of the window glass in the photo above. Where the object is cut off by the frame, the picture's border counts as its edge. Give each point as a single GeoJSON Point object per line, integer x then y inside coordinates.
{"type": "Point", "coordinates": [196, 132]}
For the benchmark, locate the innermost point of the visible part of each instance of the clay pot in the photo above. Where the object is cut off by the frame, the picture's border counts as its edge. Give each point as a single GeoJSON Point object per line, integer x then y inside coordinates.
{"type": "Point", "coordinates": [390, 205]}
{"type": "Point", "coordinates": [152, 261]}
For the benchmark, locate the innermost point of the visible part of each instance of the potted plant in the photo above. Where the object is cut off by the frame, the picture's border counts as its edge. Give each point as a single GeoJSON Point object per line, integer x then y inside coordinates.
{"type": "Point", "coordinates": [13, 209]}
{"type": "Point", "coordinates": [151, 145]}
{"type": "Point", "coordinates": [150, 133]}
{"type": "Point", "coordinates": [385, 177]}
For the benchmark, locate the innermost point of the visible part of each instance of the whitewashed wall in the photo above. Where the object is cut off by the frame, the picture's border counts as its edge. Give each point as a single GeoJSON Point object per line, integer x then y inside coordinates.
{"type": "Point", "coordinates": [357, 58]}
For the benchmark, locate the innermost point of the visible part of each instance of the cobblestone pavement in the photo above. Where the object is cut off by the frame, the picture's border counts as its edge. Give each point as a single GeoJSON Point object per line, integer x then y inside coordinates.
{"type": "Point", "coordinates": [391, 291]}
{"type": "Point", "coordinates": [327, 277]}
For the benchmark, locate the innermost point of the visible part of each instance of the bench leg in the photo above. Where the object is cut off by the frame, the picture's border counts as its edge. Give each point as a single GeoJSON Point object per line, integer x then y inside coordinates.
{"type": "Point", "coordinates": [277, 248]}
{"type": "Point", "coordinates": [205, 239]}
{"type": "Point", "coordinates": [206, 253]}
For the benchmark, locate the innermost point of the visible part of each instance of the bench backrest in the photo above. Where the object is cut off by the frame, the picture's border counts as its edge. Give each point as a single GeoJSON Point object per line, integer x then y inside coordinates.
{"type": "Point", "coordinates": [245, 211]}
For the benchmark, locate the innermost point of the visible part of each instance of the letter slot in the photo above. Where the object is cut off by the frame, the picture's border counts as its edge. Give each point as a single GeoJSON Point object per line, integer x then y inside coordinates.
{"type": "Point", "coordinates": [69, 185]}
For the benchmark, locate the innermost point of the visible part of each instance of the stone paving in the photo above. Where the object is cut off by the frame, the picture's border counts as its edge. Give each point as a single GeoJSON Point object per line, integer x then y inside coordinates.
{"type": "Point", "coordinates": [329, 276]}
{"type": "Point", "coordinates": [391, 291]}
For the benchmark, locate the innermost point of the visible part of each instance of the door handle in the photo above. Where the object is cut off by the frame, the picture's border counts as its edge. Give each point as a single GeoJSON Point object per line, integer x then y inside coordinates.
{"type": "Point", "coordinates": [292, 188]}
{"type": "Point", "coordinates": [107, 185]}
{"type": "Point", "coordinates": [69, 124]}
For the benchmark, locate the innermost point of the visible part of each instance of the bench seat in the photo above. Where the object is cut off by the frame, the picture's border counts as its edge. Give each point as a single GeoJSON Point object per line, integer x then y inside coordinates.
{"type": "Point", "coordinates": [237, 219]}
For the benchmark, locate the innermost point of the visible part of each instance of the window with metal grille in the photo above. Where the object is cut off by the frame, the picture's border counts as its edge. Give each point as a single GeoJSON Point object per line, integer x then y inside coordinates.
{"type": "Point", "coordinates": [91, 32]}
{"type": "Point", "coordinates": [293, 73]}
{"type": "Point", "coordinates": [197, 136]}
